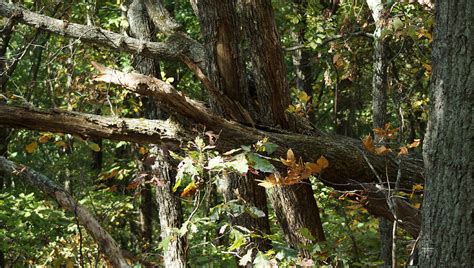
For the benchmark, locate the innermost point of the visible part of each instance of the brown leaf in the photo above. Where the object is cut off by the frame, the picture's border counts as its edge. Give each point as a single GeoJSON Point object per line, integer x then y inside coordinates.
{"type": "Point", "coordinates": [382, 150]}
{"type": "Point", "coordinates": [414, 144]}
{"type": "Point", "coordinates": [322, 162]}
{"type": "Point", "coordinates": [368, 143]}
{"type": "Point", "coordinates": [403, 151]}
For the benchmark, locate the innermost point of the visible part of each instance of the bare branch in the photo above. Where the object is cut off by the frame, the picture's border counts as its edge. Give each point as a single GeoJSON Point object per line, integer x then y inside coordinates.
{"type": "Point", "coordinates": [175, 46]}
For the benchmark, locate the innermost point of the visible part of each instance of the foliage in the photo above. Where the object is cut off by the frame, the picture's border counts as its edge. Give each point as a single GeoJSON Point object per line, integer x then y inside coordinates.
{"type": "Point", "coordinates": [55, 72]}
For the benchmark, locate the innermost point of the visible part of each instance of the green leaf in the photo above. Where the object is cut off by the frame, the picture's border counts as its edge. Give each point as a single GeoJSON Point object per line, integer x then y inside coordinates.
{"type": "Point", "coordinates": [307, 234]}
{"type": "Point", "coordinates": [94, 146]}
{"type": "Point", "coordinates": [239, 240]}
{"type": "Point", "coordinates": [260, 163]}
{"type": "Point", "coordinates": [270, 147]}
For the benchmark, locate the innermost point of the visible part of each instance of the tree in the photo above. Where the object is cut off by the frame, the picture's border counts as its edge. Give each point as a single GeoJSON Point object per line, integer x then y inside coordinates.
{"type": "Point", "coordinates": [241, 66]}
{"type": "Point", "coordinates": [447, 230]}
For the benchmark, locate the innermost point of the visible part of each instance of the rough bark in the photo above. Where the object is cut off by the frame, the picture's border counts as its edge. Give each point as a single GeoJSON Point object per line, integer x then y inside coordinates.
{"type": "Point", "coordinates": [448, 150]}
{"type": "Point", "coordinates": [170, 211]}
{"type": "Point", "coordinates": [106, 243]}
{"type": "Point", "coordinates": [226, 69]}
{"type": "Point", "coordinates": [140, 29]}
{"type": "Point", "coordinates": [267, 67]}
{"type": "Point", "coordinates": [269, 72]}
{"type": "Point", "coordinates": [379, 111]}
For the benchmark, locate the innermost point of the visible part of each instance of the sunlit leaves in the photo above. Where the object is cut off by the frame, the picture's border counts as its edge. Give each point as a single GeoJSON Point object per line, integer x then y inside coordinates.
{"type": "Point", "coordinates": [296, 171]}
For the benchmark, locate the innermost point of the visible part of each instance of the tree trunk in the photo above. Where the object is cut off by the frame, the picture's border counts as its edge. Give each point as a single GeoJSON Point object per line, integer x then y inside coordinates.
{"type": "Point", "coordinates": [226, 69]}
{"type": "Point", "coordinates": [448, 206]}
{"type": "Point", "coordinates": [170, 212]}
{"type": "Point", "coordinates": [379, 111]}
{"type": "Point", "coordinates": [290, 203]}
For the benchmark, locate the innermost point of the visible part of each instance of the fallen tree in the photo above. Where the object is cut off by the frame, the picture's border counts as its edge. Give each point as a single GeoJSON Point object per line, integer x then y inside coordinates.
{"type": "Point", "coordinates": [106, 243]}
{"type": "Point", "coordinates": [351, 167]}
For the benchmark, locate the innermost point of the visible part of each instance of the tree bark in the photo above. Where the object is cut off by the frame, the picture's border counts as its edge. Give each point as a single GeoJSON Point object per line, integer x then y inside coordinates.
{"type": "Point", "coordinates": [170, 211]}
{"type": "Point", "coordinates": [448, 150]}
{"type": "Point", "coordinates": [379, 111]}
{"type": "Point", "coordinates": [290, 203]}
{"type": "Point", "coordinates": [226, 69]}
{"type": "Point", "coordinates": [106, 243]}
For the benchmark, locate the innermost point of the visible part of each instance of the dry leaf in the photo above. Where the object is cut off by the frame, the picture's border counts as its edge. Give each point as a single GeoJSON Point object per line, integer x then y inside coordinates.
{"type": "Point", "coordinates": [368, 143]}
{"type": "Point", "coordinates": [403, 151]}
{"type": "Point", "coordinates": [382, 150]}
{"type": "Point", "coordinates": [414, 144]}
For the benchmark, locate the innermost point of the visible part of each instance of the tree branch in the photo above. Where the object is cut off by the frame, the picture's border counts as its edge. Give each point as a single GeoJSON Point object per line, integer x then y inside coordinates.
{"type": "Point", "coordinates": [105, 241]}
{"type": "Point", "coordinates": [173, 48]}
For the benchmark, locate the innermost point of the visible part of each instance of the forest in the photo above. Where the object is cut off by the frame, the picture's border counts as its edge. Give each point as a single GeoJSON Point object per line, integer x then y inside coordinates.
{"type": "Point", "coordinates": [236, 133]}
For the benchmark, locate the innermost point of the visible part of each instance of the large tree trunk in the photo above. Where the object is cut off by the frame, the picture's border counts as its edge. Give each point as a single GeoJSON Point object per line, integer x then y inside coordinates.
{"type": "Point", "coordinates": [170, 212]}
{"type": "Point", "coordinates": [226, 69]}
{"type": "Point", "coordinates": [448, 206]}
{"type": "Point", "coordinates": [291, 204]}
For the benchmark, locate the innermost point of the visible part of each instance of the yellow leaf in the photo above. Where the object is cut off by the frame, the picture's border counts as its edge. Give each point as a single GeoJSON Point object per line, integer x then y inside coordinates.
{"type": "Point", "coordinates": [141, 150]}
{"type": "Point", "coordinates": [290, 156]}
{"type": "Point", "coordinates": [322, 162]}
{"type": "Point", "coordinates": [266, 184]}
{"type": "Point", "coordinates": [30, 148]}
{"type": "Point", "coordinates": [417, 205]}
{"type": "Point", "coordinates": [189, 190]}
{"type": "Point", "coordinates": [417, 187]}
{"type": "Point", "coordinates": [382, 150]}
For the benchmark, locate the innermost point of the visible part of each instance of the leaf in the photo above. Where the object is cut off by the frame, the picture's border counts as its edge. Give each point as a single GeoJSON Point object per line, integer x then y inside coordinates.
{"type": "Point", "coordinates": [142, 150]}
{"type": "Point", "coordinates": [216, 163]}
{"type": "Point", "coordinates": [259, 163]}
{"type": "Point", "coordinates": [403, 151]}
{"type": "Point", "coordinates": [239, 240]}
{"type": "Point", "coordinates": [45, 138]}
{"type": "Point", "coordinates": [94, 146]}
{"type": "Point", "coordinates": [190, 189]}
{"type": "Point", "coordinates": [322, 162]}
{"type": "Point", "coordinates": [255, 212]}
{"type": "Point", "coordinates": [266, 183]}
{"type": "Point", "coordinates": [368, 143]}
{"type": "Point", "coordinates": [30, 148]}
{"type": "Point", "coordinates": [307, 234]}
{"type": "Point", "coordinates": [414, 144]}
{"type": "Point", "coordinates": [417, 187]}
{"type": "Point", "coordinates": [290, 156]}
{"type": "Point", "coordinates": [382, 150]}
{"type": "Point", "coordinates": [239, 164]}
{"type": "Point", "coordinates": [270, 147]}
{"type": "Point", "coordinates": [246, 258]}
